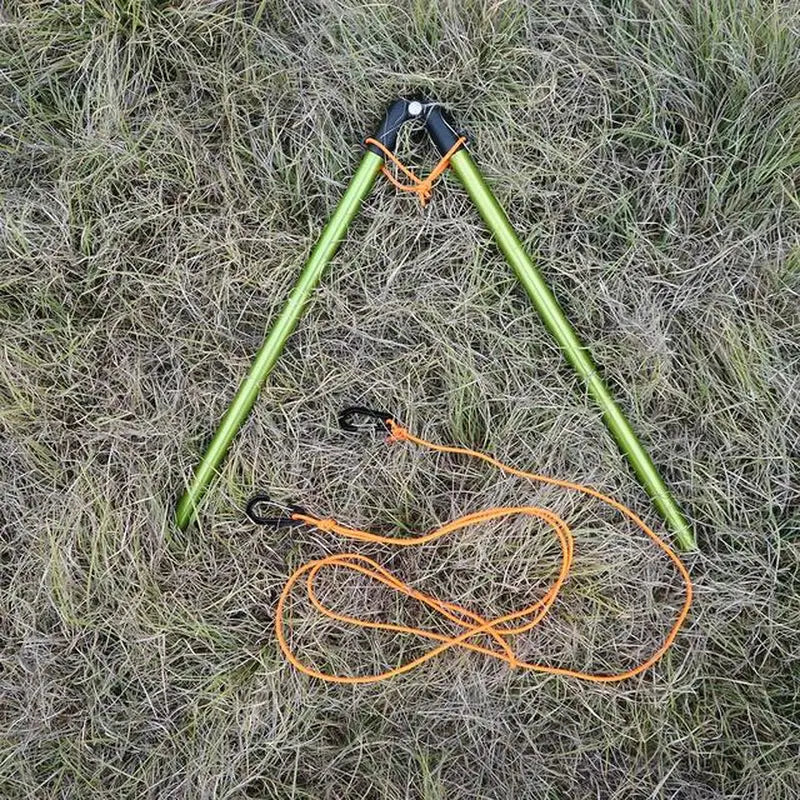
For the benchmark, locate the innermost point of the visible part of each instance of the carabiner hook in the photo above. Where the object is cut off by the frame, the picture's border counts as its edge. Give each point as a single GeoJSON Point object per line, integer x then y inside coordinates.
{"type": "Point", "coordinates": [259, 500]}
{"type": "Point", "coordinates": [380, 419]}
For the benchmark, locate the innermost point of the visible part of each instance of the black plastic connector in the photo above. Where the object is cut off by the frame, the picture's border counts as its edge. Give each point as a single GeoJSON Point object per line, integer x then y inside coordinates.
{"type": "Point", "coordinates": [437, 123]}
{"type": "Point", "coordinates": [395, 117]}
{"type": "Point", "coordinates": [441, 129]}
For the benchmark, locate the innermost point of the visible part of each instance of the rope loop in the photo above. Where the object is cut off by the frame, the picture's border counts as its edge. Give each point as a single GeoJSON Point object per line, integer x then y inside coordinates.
{"type": "Point", "coordinates": [475, 632]}
{"type": "Point", "coordinates": [422, 187]}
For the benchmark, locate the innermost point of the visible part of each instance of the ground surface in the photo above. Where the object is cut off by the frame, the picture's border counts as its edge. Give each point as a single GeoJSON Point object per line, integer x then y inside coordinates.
{"type": "Point", "coordinates": [164, 173]}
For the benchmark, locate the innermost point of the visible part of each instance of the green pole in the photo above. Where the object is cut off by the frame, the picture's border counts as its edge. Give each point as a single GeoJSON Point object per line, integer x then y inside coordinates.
{"type": "Point", "coordinates": [266, 357]}
{"type": "Point", "coordinates": [578, 356]}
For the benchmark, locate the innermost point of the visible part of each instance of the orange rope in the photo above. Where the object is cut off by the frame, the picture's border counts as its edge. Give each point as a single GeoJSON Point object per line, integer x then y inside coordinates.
{"type": "Point", "coordinates": [474, 625]}
{"type": "Point", "coordinates": [423, 187]}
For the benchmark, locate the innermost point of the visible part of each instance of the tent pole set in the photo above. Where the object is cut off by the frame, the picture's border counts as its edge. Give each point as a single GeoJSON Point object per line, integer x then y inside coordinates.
{"type": "Point", "coordinates": [444, 137]}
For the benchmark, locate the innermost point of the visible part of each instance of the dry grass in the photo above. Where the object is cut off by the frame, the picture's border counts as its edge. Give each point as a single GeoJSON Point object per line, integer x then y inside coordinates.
{"type": "Point", "coordinates": [164, 172]}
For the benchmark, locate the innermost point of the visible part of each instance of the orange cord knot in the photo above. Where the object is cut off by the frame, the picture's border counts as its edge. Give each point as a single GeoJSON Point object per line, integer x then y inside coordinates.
{"type": "Point", "coordinates": [397, 433]}
{"type": "Point", "coordinates": [327, 525]}
{"type": "Point", "coordinates": [422, 187]}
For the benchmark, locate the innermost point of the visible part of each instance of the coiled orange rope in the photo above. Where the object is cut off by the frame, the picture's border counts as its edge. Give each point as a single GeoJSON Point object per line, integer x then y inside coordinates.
{"type": "Point", "coordinates": [473, 625]}
{"type": "Point", "coordinates": [422, 187]}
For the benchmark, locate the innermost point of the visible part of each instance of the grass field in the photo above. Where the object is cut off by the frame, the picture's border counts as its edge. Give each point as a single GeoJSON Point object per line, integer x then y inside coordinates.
{"type": "Point", "coordinates": [165, 169]}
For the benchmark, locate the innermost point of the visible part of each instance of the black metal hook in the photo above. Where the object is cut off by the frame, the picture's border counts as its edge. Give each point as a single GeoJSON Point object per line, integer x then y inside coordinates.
{"type": "Point", "coordinates": [380, 419]}
{"type": "Point", "coordinates": [260, 500]}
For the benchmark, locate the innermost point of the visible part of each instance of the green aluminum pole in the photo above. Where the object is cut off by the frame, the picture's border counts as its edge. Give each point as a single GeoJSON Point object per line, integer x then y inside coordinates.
{"type": "Point", "coordinates": [578, 356]}
{"type": "Point", "coordinates": [266, 357]}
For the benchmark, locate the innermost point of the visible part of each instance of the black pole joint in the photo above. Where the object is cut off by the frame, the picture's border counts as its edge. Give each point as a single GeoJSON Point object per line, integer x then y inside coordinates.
{"type": "Point", "coordinates": [436, 120]}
